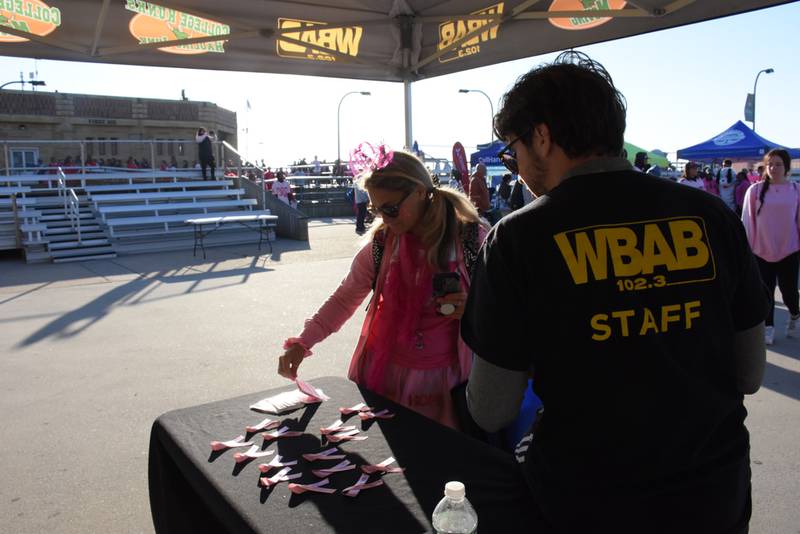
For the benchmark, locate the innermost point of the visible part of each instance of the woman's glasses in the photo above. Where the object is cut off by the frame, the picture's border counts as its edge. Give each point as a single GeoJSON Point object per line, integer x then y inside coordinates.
{"type": "Point", "coordinates": [508, 156]}
{"type": "Point", "coordinates": [390, 210]}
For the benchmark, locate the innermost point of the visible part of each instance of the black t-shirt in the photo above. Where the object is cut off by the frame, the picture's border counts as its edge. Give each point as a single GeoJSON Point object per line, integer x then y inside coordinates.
{"type": "Point", "coordinates": [623, 292]}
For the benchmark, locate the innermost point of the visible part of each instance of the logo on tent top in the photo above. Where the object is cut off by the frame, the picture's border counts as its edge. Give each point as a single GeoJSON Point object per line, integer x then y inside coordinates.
{"type": "Point", "coordinates": [454, 30]}
{"type": "Point", "coordinates": [155, 24]}
{"type": "Point", "coordinates": [729, 137]}
{"type": "Point", "coordinates": [313, 40]}
{"type": "Point", "coordinates": [30, 16]}
{"type": "Point", "coordinates": [587, 22]}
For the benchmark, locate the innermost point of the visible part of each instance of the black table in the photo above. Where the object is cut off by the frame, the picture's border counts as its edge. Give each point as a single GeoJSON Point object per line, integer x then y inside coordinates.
{"type": "Point", "coordinates": [195, 490]}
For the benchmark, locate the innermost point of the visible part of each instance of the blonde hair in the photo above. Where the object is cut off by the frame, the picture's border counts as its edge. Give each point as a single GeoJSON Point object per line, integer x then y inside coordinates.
{"type": "Point", "coordinates": [447, 210]}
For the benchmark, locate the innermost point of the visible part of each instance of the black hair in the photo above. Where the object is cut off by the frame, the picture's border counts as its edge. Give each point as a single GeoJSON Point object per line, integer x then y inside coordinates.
{"type": "Point", "coordinates": [641, 160]}
{"type": "Point", "coordinates": [576, 98]}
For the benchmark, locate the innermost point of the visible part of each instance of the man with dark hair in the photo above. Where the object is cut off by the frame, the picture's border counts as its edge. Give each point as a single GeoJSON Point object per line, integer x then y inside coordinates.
{"type": "Point", "coordinates": [205, 151]}
{"type": "Point", "coordinates": [640, 162]}
{"type": "Point", "coordinates": [635, 305]}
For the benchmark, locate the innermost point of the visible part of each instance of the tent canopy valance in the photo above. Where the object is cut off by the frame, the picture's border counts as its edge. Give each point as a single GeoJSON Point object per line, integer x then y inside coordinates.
{"type": "Point", "coordinates": [738, 142]}
{"type": "Point", "coordinates": [390, 40]}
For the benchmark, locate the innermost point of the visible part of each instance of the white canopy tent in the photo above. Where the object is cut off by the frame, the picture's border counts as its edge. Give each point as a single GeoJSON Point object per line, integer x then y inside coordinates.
{"type": "Point", "coordinates": [387, 40]}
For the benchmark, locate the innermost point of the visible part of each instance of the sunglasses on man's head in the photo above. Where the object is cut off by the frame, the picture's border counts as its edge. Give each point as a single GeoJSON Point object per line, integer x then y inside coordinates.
{"type": "Point", "coordinates": [390, 210]}
{"type": "Point", "coordinates": [508, 156]}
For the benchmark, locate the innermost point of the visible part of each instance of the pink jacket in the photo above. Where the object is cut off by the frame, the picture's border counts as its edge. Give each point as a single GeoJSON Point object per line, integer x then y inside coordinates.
{"type": "Point", "coordinates": [775, 232]}
{"type": "Point", "coordinates": [341, 305]}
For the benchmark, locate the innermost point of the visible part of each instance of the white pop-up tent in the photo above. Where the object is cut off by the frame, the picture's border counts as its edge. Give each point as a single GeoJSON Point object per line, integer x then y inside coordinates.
{"type": "Point", "coordinates": [388, 40]}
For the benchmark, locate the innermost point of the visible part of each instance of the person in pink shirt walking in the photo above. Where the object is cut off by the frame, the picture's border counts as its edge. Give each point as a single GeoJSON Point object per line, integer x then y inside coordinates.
{"type": "Point", "coordinates": [772, 222]}
{"type": "Point", "coordinates": [410, 349]}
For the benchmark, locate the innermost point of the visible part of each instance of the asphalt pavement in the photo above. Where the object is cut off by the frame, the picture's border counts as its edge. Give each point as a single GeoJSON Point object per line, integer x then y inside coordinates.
{"type": "Point", "coordinates": [91, 353]}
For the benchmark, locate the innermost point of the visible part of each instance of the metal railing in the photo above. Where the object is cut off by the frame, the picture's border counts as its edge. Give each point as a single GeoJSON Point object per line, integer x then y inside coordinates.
{"type": "Point", "coordinates": [72, 205]}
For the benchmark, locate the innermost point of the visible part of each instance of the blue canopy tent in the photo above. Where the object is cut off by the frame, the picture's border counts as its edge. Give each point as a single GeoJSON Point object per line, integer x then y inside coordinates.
{"type": "Point", "coordinates": [487, 154]}
{"type": "Point", "coordinates": [737, 142]}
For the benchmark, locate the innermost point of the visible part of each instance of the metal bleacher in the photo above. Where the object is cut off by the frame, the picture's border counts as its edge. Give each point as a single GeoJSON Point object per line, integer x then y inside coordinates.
{"type": "Point", "coordinates": [74, 217]}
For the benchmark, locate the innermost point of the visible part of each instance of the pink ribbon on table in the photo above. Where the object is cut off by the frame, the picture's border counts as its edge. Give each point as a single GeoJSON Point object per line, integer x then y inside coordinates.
{"type": "Point", "coordinates": [274, 464]}
{"type": "Point", "coordinates": [282, 432]}
{"type": "Point", "coordinates": [382, 467]}
{"type": "Point", "coordinates": [315, 487]}
{"type": "Point", "coordinates": [266, 424]}
{"type": "Point", "coordinates": [350, 435]}
{"type": "Point", "coordinates": [281, 476]}
{"type": "Point", "coordinates": [251, 454]}
{"type": "Point", "coordinates": [344, 465]}
{"type": "Point", "coordinates": [335, 427]}
{"type": "Point", "coordinates": [383, 414]}
{"type": "Point", "coordinates": [235, 442]}
{"type": "Point", "coordinates": [324, 455]}
{"type": "Point", "coordinates": [362, 484]}
{"type": "Point", "coordinates": [311, 391]}
{"type": "Point", "coordinates": [360, 407]}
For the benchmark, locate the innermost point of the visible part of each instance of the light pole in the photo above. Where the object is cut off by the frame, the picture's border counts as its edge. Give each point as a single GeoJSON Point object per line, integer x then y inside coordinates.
{"type": "Point", "coordinates": [34, 83]}
{"type": "Point", "coordinates": [491, 107]}
{"type": "Point", "coordinates": [755, 85]}
{"type": "Point", "coordinates": [338, 129]}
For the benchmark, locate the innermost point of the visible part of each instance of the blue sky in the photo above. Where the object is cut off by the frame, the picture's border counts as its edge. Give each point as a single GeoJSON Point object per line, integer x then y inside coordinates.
{"type": "Point", "coordinates": [682, 87]}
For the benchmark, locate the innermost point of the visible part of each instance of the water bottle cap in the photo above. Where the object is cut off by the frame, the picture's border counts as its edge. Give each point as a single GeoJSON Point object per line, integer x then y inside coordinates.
{"type": "Point", "coordinates": [454, 490]}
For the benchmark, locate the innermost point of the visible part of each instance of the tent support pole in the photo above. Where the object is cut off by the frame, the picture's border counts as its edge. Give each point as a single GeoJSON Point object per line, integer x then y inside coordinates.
{"type": "Point", "coordinates": [409, 141]}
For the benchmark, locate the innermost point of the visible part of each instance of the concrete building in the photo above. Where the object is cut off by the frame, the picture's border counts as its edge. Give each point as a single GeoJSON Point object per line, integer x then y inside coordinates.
{"type": "Point", "coordinates": [106, 126]}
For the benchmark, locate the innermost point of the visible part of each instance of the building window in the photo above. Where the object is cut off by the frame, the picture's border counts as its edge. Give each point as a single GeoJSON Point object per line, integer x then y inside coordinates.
{"type": "Point", "coordinates": [89, 147]}
{"type": "Point", "coordinates": [170, 148]}
{"type": "Point", "coordinates": [180, 149]}
{"type": "Point", "coordinates": [101, 146]}
{"type": "Point", "coordinates": [159, 147]}
{"type": "Point", "coordinates": [114, 146]}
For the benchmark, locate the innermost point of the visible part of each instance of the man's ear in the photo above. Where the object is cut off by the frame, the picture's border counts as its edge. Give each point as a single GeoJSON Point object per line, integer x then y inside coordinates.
{"type": "Point", "coordinates": [542, 143]}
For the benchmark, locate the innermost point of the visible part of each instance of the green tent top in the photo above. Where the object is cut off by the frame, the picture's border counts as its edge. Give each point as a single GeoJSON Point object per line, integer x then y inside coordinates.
{"type": "Point", "coordinates": [653, 158]}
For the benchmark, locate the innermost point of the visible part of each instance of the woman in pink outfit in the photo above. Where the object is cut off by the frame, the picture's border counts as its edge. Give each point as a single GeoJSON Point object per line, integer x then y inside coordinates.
{"type": "Point", "coordinates": [410, 349]}
{"type": "Point", "coordinates": [771, 219]}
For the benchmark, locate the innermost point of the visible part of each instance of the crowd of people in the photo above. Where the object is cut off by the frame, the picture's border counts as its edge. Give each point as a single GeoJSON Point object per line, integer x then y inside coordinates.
{"type": "Point", "coordinates": [635, 305]}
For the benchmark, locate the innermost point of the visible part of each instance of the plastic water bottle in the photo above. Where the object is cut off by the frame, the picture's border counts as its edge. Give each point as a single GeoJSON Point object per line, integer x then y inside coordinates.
{"type": "Point", "coordinates": [454, 514]}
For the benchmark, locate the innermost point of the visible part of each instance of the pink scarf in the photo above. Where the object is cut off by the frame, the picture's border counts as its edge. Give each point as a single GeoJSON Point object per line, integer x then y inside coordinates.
{"type": "Point", "coordinates": [408, 288]}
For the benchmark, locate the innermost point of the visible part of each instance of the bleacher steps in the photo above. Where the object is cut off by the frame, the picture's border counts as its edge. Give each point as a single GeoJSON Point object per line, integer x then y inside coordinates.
{"type": "Point", "coordinates": [38, 256]}
{"type": "Point", "coordinates": [74, 244]}
{"type": "Point", "coordinates": [82, 251]}
{"type": "Point", "coordinates": [67, 229]}
{"type": "Point", "coordinates": [85, 258]}
{"type": "Point", "coordinates": [72, 236]}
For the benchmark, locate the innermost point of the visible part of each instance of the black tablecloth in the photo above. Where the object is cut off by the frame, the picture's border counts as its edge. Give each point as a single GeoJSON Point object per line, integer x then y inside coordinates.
{"type": "Point", "coordinates": [195, 490]}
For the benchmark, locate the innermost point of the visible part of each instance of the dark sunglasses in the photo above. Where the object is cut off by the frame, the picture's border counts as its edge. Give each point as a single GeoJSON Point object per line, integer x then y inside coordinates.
{"type": "Point", "coordinates": [390, 210]}
{"type": "Point", "coordinates": [508, 156]}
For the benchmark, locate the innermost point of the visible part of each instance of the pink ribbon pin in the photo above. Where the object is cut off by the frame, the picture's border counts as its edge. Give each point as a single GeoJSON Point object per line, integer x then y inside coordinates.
{"type": "Point", "coordinates": [382, 467]}
{"type": "Point", "coordinates": [235, 442]}
{"type": "Point", "coordinates": [349, 435]}
{"type": "Point", "coordinates": [344, 465]}
{"type": "Point", "coordinates": [281, 476]}
{"type": "Point", "coordinates": [274, 464]}
{"type": "Point", "coordinates": [311, 391]}
{"type": "Point", "coordinates": [251, 454]}
{"type": "Point", "coordinates": [335, 427]}
{"type": "Point", "coordinates": [362, 484]}
{"type": "Point", "coordinates": [324, 455]}
{"type": "Point", "coordinates": [383, 414]}
{"type": "Point", "coordinates": [283, 432]}
{"type": "Point", "coordinates": [360, 407]}
{"type": "Point", "coordinates": [266, 424]}
{"type": "Point", "coordinates": [316, 487]}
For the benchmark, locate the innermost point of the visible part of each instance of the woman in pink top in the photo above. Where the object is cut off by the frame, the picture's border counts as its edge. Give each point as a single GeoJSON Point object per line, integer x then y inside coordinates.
{"type": "Point", "coordinates": [771, 219]}
{"type": "Point", "coordinates": [410, 349]}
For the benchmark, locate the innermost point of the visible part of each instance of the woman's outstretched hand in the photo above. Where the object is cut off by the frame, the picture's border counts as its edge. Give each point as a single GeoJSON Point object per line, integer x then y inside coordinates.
{"type": "Point", "coordinates": [458, 300]}
{"type": "Point", "coordinates": [290, 361]}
